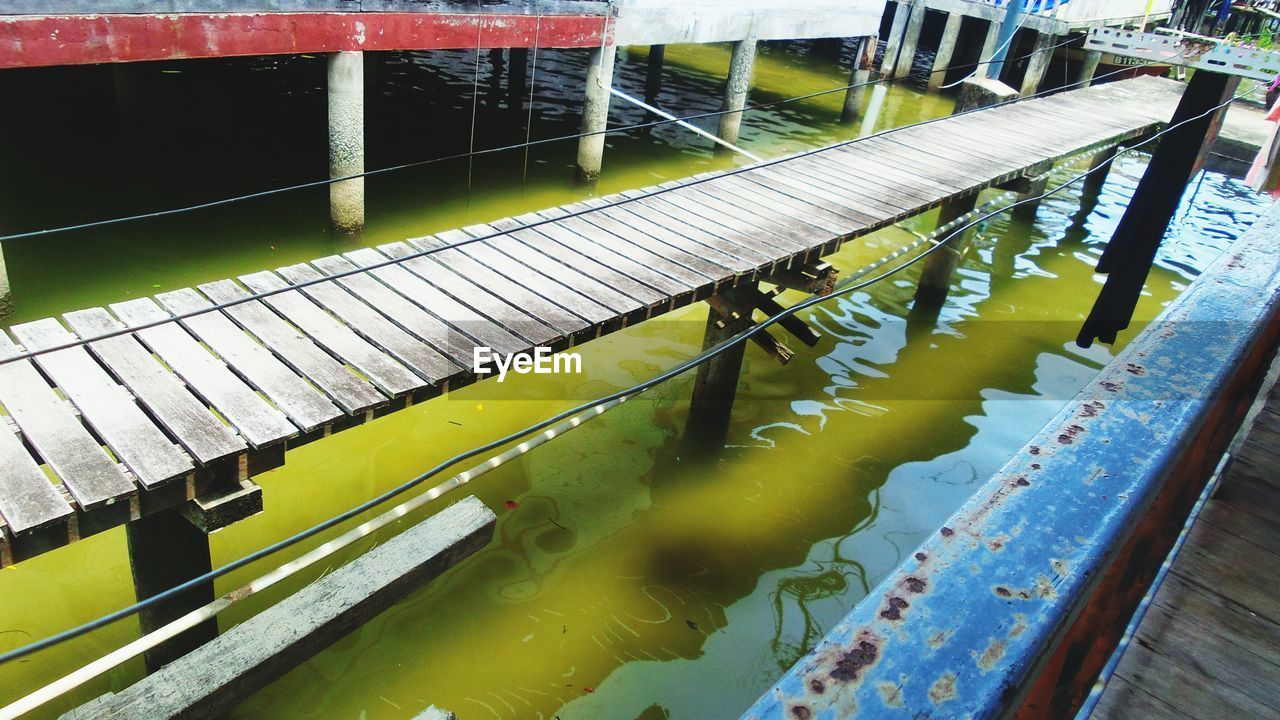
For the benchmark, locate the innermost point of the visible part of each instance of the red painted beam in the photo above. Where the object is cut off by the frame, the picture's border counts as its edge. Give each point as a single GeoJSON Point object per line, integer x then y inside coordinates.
{"type": "Point", "coordinates": [34, 41]}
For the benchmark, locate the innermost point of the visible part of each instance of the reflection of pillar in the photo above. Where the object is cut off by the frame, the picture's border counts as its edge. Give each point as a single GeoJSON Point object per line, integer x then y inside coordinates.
{"type": "Point", "coordinates": [595, 112]}
{"type": "Point", "coordinates": [946, 50]}
{"type": "Point", "coordinates": [910, 39]}
{"type": "Point", "coordinates": [517, 78]}
{"type": "Point", "coordinates": [940, 265]}
{"type": "Point", "coordinates": [735, 90]}
{"type": "Point", "coordinates": [1038, 64]}
{"type": "Point", "coordinates": [166, 550]}
{"type": "Point", "coordinates": [1089, 67]}
{"type": "Point", "coordinates": [653, 73]}
{"type": "Point", "coordinates": [346, 140]}
{"type": "Point", "coordinates": [863, 58]}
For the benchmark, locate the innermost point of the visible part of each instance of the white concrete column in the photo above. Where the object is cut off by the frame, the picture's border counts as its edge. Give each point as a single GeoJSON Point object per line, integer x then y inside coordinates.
{"type": "Point", "coordinates": [946, 50]}
{"type": "Point", "coordinates": [910, 39]}
{"type": "Point", "coordinates": [894, 41]}
{"type": "Point", "coordinates": [6, 293]}
{"type": "Point", "coordinates": [595, 112]}
{"type": "Point", "coordinates": [1037, 64]}
{"type": "Point", "coordinates": [1089, 67]}
{"type": "Point", "coordinates": [735, 90]}
{"type": "Point", "coordinates": [989, 46]}
{"type": "Point", "coordinates": [346, 140]}
{"type": "Point", "coordinates": [864, 57]}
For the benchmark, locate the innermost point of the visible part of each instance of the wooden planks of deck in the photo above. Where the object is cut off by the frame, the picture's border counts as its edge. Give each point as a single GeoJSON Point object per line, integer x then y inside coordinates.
{"type": "Point", "coordinates": [135, 415]}
{"type": "Point", "coordinates": [1209, 645]}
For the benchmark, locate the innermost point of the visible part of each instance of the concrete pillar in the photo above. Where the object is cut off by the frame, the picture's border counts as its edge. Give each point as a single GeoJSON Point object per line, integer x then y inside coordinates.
{"type": "Point", "coordinates": [910, 39]}
{"type": "Point", "coordinates": [1089, 67]}
{"type": "Point", "coordinates": [346, 140]}
{"type": "Point", "coordinates": [166, 550]}
{"type": "Point", "coordinates": [946, 50]}
{"type": "Point", "coordinates": [935, 279]}
{"type": "Point", "coordinates": [989, 45]}
{"type": "Point", "coordinates": [1099, 168]}
{"type": "Point", "coordinates": [6, 292]}
{"type": "Point", "coordinates": [735, 90]}
{"type": "Point", "coordinates": [894, 42]}
{"type": "Point", "coordinates": [595, 112]}
{"type": "Point", "coordinates": [1037, 64]}
{"type": "Point", "coordinates": [863, 58]}
{"type": "Point", "coordinates": [653, 73]}
{"type": "Point", "coordinates": [1029, 207]}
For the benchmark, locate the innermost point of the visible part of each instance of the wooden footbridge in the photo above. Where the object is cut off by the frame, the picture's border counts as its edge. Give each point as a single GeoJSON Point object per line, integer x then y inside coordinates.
{"type": "Point", "coordinates": [185, 412]}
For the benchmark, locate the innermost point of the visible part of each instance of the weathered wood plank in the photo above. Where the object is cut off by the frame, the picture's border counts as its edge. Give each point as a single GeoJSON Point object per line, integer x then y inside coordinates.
{"type": "Point", "coordinates": [104, 405]}
{"type": "Point", "coordinates": [258, 421]}
{"type": "Point", "coordinates": [47, 422]}
{"type": "Point", "coordinates": [209, 681]}
{"type": "Point", "coordinates": [168, 399]}
{"type": "Point", "coordinates": [252, 361]}
{"type": "Point", "coordinates": [27, 499]}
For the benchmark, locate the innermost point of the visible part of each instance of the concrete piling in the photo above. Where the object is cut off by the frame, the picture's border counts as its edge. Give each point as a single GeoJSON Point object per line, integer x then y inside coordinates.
{"type": "Point", "coordinates": [989, 44]}
{"type": "Point", "coordinates": [1030, 200]}
{"type": "Point", "coordinates": [910, 39]}
{"type": "Point", "coordinates": [735, 90]}
{"type": "Point", "coordinates": [946, 50]}
{"type": "Point", "coordinates": [1038, 64]}
{"type": "Point", "coordinates": [595, 113]}
{"type": "Point", "coordinates": [346, 140]}
{"type": "Point", "coordinates": [653, 73]}
{"type": "Point", "coordinates": [894, 42]}
{"type": "Point", "coordinates": [1089, 67]}
{"type": "Point", "coordinates": [166, 550]}
{"type": "Point", "coordinates": [863, 58]}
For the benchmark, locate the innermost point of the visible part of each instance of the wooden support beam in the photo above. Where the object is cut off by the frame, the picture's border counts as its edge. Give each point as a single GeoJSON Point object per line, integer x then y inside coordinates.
{"type": "Point", "coordinates": [212, 679]}
{"type": "Point", "coordinates": [1128, 257]}
{"type": "Point", "coordinates": [1038, 177]}
{"type": "Point", "coordinates": [815, 278]}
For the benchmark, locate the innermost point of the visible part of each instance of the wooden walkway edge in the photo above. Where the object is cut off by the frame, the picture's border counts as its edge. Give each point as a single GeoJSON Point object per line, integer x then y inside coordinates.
{"type": "Point", "coordinates": [143, 422]}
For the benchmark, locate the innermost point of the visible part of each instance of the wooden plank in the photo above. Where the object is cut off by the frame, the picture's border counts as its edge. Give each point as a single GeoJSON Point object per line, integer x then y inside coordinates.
{"type": "Point", "coordinates": [1123, 700]}
{"type": "Point", "coordinates": [254, 362]}
{"type": "Point", "coordinates": [825, 224]}
{"type": "Point", "coordinates": [104, 405]}
{"type": "Point", "coordinates": [780, 246]}
{"type": "Point", "coordinates": [185, 417]}
{"type": "Point", "coordinates": [800, 238]}
{"type": "Point", "coordinates": [384, 372]}
{"type": "Point", "coordinates": [475, 327]}
{"type": "Point", "coordinates": [209, 681]}
{"type": "Point", "coordinates": [540, 243]}
{"type": "Point", "coordinates": [481, 299]}
{"type": "Point", "coordinates": [707, 261]}
{"type": "Point", "coordinates": [690, 229]}
{"type": "Point", "coordinates": [512, 287]}
{"type": "Point", "coordinates": [48, 424]}
{"type": "Point", "coordinates": [257, 421]}
{"type": "Point", "coordinates": [27, 499]}
{"type": "Point", "coordinates": [546, 284]}
{"type": "Point", "coordinates": [371, 324]}
{"type": "Point", "coordinates": [432, 330]}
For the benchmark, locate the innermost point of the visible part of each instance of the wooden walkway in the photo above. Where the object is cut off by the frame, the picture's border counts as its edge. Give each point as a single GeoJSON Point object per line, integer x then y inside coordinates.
{"type": "Point", "coordinates": [1209, 645]}
{"type": "Point", "coordinates": [146, 421]}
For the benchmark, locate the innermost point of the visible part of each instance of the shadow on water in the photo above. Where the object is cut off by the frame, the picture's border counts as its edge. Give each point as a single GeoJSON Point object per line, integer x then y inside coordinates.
{"type": "Point", "coordinates": [630, 576]}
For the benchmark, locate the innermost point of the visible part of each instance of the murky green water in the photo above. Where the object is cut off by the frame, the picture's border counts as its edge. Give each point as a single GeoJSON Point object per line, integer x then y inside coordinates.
{"type": "Point", "coordinates": [628, 577]}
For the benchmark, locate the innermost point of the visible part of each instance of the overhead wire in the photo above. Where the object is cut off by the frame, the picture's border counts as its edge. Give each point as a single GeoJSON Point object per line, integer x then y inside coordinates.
{"type": "Point", "coordinates": [680, 368]}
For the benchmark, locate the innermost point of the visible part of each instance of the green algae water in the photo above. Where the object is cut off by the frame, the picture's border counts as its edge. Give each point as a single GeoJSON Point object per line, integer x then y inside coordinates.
{"type": "Point", "coordinates": [633, 574]}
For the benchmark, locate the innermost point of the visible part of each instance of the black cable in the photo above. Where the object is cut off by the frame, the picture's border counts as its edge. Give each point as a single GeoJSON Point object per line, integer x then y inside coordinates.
{"type": "Point", "coordinates": [514, 436]}
{"type": "Point", "coordinates": [252, 296]}
{"type": "Point", "coordinates": [472, 154]}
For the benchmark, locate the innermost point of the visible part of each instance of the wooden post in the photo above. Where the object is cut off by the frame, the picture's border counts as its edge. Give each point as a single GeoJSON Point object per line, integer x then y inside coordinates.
{"type": "Point", "coordinates": [893, 44]}
{"type": "Point", "coordinates": [716, 383]}
{"type": "Point", "coordinates": [653, 73]}
{"type": "Point", "coordinates": [1099, 168]}
{"type": "Point", "coordinates": [1089, 67]}
{"type": "Point", "coordinates": [166, 550]}
{"type": "Point", "coordinates": [946, 50]}
{"type": "Point", "coordinates": [863, 58]}
{"type": "Point", "coordinates": [910, 39]}
{"type": "Point", "coordinates": [346, 140]}
{"type": "Point", "coordinates": [1038, 64]}
{"type": "Point", "coordinates": [1029, 199]}
{"type": "Point", "coordinates": [595, 113]}
{"type": "Point", "coordinates": [935, 279]}
{"type": "Point", "coordinates": [735, 91]}
{"type": "Point", "coordinates": [1128, 257]}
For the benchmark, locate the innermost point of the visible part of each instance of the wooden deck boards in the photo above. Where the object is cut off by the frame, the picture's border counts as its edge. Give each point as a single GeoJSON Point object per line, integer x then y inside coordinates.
{"type": "Point", "coordinates": [143, 410]}
{"type": "Point", "coordinates": [1209, 645]}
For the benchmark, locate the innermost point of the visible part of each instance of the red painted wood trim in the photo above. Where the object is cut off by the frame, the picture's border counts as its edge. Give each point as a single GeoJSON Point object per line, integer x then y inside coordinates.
{"type": "Point", "coordinates": [33, 41]}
